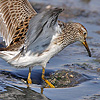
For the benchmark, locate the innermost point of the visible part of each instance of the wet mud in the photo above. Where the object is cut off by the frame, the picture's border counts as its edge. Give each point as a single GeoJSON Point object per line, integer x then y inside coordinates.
{"type": "Point", "coordinates": [65, 78]}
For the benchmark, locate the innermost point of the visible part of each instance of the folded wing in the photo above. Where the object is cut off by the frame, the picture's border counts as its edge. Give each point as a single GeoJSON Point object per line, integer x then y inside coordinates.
{"type": "Point", "coordinates": [41, 30]}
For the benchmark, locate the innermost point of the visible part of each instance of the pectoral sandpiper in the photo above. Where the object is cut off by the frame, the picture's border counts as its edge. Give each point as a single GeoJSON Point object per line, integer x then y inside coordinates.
{"type": "Point", "coordinates": [31, 38]}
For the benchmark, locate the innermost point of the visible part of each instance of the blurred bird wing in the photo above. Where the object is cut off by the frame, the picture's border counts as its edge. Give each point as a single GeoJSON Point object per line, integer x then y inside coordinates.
{"type": "Point", "coordinates": [41, 30]}
{"type": "Point", "coordinates": [12, 14]}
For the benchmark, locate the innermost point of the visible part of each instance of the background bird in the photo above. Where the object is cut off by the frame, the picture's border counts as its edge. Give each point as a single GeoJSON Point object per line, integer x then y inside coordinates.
{"type": "Point", "coordinates": [31, 38]}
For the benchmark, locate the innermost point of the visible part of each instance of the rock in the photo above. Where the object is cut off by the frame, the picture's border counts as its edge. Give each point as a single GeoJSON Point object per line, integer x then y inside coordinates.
{"type": "Point", "coordinates": [65, 78]}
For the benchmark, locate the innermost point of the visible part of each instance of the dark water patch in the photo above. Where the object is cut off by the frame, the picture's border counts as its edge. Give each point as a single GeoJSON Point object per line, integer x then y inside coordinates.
{"type": "Point", "coordinates": [84, 69]}
{"type": "Point", "coordinates": [23, 74]}
{"type": "Point", "coordinates": [94, 97]}
{"type": "Point", "coordinates": [98, 32]}
{"type": "Point", "coordinates": [2, 44]}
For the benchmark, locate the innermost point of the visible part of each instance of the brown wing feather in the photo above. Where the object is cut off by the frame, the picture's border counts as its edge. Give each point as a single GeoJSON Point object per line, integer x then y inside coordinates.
{"type": "Point", "coordinates": [14, 19]}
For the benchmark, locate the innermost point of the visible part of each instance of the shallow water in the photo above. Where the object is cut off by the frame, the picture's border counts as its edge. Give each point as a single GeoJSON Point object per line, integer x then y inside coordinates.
{"type": "Point", "coordinates": [92, 5]}
{"type": "Point", "coordinates": [73, 57]}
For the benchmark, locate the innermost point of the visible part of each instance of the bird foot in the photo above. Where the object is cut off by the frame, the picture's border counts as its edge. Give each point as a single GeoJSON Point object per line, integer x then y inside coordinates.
{"type": "Point", "coordinates": [43, 77]}
{"type": "Point", "coordinates": [50, 85]}
{"type": "Point", "coordinates": [29, 81]}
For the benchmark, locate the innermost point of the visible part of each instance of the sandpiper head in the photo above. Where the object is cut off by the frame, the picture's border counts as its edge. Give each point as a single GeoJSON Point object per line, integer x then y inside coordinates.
{"type": "Point", "coordinates": [80, 34]}
{"type": "Point", "coordinates": [75, 32]}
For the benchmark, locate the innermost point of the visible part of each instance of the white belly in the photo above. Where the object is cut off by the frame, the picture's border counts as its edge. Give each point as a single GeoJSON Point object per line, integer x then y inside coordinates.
{"type": "Point", "coordinates": [30, 59]}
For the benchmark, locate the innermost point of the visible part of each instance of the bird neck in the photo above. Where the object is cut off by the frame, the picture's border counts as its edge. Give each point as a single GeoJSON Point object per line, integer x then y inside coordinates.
{"type": "Point", "coordinates": [65, 39]}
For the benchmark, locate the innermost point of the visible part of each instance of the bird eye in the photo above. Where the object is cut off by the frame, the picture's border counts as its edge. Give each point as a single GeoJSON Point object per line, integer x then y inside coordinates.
{"type": "Point", "coordinates": [84, 33]}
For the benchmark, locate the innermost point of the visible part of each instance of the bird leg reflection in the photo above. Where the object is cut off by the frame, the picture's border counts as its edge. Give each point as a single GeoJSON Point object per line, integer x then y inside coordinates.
{"type": "Point", "coordinates": [42, 89]}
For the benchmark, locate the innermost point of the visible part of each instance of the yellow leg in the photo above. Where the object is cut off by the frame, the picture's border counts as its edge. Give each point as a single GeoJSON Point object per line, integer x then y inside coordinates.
{"type": "Point", "coordinates": [43, 77]}
{"type": "Point", "coordinates": [29, 81]}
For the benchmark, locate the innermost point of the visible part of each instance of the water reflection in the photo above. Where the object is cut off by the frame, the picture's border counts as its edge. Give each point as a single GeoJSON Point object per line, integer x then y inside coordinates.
{"type": "Point", "coordinates": [20, 93]}
{"type": "Point", "coordinates": [12, 86]}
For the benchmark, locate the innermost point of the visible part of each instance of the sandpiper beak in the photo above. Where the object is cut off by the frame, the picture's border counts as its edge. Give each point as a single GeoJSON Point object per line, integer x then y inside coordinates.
{"type": "Point", "coordinates": [87, 48]}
